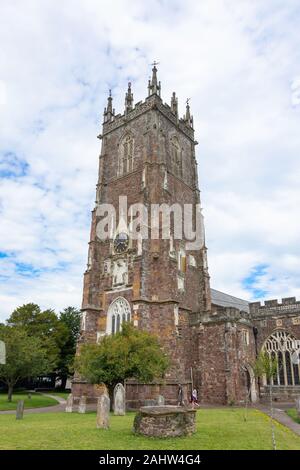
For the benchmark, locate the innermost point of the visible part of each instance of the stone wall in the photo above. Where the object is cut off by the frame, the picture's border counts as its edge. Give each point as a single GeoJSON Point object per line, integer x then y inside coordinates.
{"type": "Point", "coordinates": [210, 349]}
{"type": "Point", "coordinates": [274, 315]}
{"type": "Point", "coordinates": [161, 293]}
{"type": "Point", "coordinates": [165, 421]}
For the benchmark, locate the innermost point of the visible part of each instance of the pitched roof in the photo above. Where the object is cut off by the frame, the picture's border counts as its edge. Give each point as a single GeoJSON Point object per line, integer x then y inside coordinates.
{"type": "Point", "coordinates": [226, 300]}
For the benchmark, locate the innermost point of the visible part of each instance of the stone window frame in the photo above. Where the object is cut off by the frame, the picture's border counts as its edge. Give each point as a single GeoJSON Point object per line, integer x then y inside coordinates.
{"type": "Point", "coordinates": [126, 154]}
{"type": "Point", "coordinates": [119, 311]}
{"type": "Point", "coordinates": [245, 337]}
{"type": "Point", "coordinates": [281, 345]}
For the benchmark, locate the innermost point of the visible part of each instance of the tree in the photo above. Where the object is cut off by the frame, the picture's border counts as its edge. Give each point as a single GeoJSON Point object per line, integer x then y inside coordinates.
{"type": "Point", "coordinates": [131, 353]}
{"type": "Point", "coordinates": [266, 366]}
{"type": "Point", "coordinates": [58, 334]}
{"type": "Point", "coordinates": [70, 318]}
{"type": "Point", "coordinates": [25, 357]}
{"type": "Point", "coordinates": [40, 324]}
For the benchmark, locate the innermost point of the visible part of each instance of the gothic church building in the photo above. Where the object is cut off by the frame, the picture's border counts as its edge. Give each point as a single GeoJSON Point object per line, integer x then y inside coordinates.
{"type": "Point", "coordinates": [148, 155]}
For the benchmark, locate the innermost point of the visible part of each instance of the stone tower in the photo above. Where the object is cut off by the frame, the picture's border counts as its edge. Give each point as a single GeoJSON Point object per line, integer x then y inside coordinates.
{"type": "Point", "coordinates": [158, 282]}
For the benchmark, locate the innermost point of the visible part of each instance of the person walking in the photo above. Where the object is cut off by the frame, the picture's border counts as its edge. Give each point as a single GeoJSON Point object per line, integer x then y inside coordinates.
{"type": "Point", "coordinates": [194, 398]}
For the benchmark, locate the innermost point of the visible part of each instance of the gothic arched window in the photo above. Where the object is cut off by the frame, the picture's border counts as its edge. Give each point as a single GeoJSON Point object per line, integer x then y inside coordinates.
{"type": "Point", "coordinates": [118, 312]}
{"type": "Point", "coordinates": [280, 346]}
{"type": "Point", "coordinates": [126, 158]}
{"type": "Point", "coordinates": [176, 156]}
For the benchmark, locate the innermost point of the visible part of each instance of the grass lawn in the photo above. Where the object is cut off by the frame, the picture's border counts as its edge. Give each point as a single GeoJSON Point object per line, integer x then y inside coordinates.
{"type": "Point", "coordinates": [37, 401]}
{"type": "Point", "coordinates": [292, 412]}
{"type": "Point", "coordinates": [217, 429]}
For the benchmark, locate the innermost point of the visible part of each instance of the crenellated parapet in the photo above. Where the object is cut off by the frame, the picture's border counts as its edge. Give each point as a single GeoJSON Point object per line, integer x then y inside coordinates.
{"type": "Point", "coordinates": [221, 315]}
{"type": "Point", "coordinates": [288, 305]}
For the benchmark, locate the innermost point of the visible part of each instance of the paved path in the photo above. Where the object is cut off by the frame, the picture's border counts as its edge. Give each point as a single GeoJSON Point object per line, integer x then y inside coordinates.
{"type": "Point", "coordinates": [46, 409]}
{"type": "Point", "coordinates": [281, 416]}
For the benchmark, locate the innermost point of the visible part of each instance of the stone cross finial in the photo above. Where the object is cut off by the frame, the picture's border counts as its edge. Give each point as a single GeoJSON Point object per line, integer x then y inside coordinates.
{"type": "Point", "coordinates": [109, 111]}
{"type": "Point", "coordinates": [188, 118]}
{"type": "Point", "coordinates": [128, 99]}
{"type": "Point", "coordinates": [154, 86]}
{"type": "Point", "coordinates": [174, 104]}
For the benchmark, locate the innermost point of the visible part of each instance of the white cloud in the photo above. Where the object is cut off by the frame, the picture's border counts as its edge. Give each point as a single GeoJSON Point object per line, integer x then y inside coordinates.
{"type": "Point", "coordinates": [238, 61]}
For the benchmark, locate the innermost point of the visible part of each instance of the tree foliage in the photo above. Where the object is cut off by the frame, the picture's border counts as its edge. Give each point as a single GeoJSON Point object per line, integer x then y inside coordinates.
{"type": "Point", "coordinates": [25, 356]}
{"type": "Point", "coordinates": [265, 366]}
{"type": "Point", "coordinates": [58, 335]}
{"type": "Point", "coordinates": [70, 318]}
{"type": "Point", "coordinates": [40, 324]}
{"type": "Point", "coordinates": [131, 353]}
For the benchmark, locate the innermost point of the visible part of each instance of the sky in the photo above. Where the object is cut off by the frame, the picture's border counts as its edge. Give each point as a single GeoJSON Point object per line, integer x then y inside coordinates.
{"type": "Point", "coordinates": [239, 62]}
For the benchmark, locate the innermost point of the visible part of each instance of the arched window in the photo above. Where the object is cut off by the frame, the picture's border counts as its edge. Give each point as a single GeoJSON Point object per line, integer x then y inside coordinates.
{"type": "Point", "coordinates": [281, 345]}
{"type": "Point", "coordinates": [126, 155]}
{"type": "Point", "coordinates": [176, 157]}
{"type": "Point", "coordinates": [118, 312]}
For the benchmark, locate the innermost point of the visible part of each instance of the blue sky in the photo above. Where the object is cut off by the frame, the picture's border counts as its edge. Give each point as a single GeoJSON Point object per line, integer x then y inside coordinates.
{"type": "Point", "coordinates": [239, 63]}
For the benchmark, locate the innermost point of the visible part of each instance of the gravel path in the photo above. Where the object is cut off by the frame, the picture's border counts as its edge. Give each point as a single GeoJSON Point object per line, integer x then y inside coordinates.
{"type": "Point", "coordinates": [47, 409]}
{"type": "Point", "coordinates": [281, 416]}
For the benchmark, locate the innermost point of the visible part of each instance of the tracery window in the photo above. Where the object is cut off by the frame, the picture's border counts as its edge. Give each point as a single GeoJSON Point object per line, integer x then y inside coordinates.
{"type": "Point", "coordinates": [119, 312]}
{"type": "Point", "coordinates": [281, 345]}
{"type": "Point", "coordinates": [126, 157]}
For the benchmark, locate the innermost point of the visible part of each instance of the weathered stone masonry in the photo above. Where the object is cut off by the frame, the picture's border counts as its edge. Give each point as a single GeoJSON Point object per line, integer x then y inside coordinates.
{"type": "Point", "coordinates": [148, 155]}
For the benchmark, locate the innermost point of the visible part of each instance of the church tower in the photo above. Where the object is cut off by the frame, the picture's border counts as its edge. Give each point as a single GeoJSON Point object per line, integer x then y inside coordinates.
{"type": "Point", "coordinates": [157, 279]}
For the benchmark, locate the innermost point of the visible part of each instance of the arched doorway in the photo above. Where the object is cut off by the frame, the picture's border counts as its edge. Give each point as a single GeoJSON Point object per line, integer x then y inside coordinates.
{"type": "Point", "coordinates": [249, 382]}
{"type": "Point", "coordinates": [119, 312]}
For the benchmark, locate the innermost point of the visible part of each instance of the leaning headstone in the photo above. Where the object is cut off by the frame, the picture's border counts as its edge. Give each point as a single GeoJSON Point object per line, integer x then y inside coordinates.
{"type": "Point", "coordinates": [82, 404]}
{"type": "Point", "coordinates": [119, 400]}
{"type": "Point", "coordinates": [2, 353]}
{"type": "Point", "coordinates": [20, 409]}
{"type": "Point", "coordinates": [298, 406]}
{"type": "Point", "coordinates": [69, 405]}
{"type": "Point", "coordinates": [103, 407]}
{"type": "Point", "coordinates": [160, 400]}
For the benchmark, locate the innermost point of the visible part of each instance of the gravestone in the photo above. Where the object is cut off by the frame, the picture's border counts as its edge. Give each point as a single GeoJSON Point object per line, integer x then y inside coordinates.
{"type": "Point", "coordinates": [119, 400]}
{"type": "Point", "coordinates": [2, 353]}
{"type": "Point", "coordinates": [20, 409]}
{"type": "Point", "coordinates": [69, 405]}
{"type": "Point", "coordinates": [298, 406]}
{"type": "Point", "coordinates": [165, 421]}
{"type": "Point", "coordinates": [82, 404]}
{"type": "Point", "coordinates": [103, 407]}
{"type": "Point", "coordinates": [160, 400]}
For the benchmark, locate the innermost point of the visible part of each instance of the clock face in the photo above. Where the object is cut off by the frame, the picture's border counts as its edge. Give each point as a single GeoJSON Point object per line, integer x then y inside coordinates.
{"type": "Point", "coordinates": [121, 242]}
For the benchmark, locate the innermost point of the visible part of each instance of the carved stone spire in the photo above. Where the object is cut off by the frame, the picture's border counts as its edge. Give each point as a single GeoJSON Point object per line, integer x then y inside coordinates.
{"type": "Point", "coordinates": [154, 86]}
{"type": "Point", "coordinates": [128, 99]}
{"type": "Point", "coordinates": [109, 111]}
{"type": "Point", "coordinates": [188, 117]}
{"type": "Point", "coordinates": [174, 104]}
